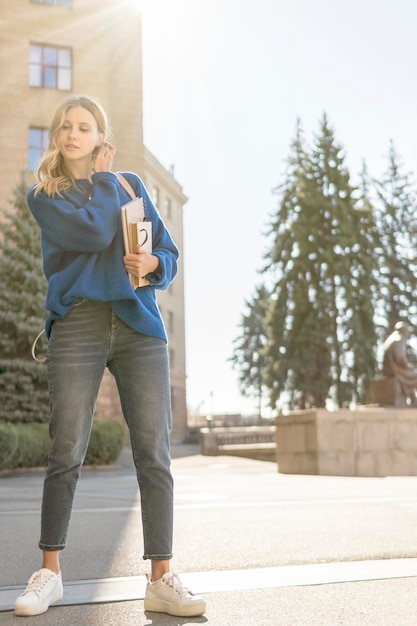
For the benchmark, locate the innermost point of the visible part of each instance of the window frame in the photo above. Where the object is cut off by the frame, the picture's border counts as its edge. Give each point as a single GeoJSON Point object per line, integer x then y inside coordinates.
{"type": "Point", "coordinates": [167, 208]}
{"type": "Point", "coordinates": [48, 68]}
{"type": "Point", "coordinates": [61, 4]}
{"type": "Point", "coordinates": [155, 196]}
{"type": "Point", "coordinates": [36, 147]}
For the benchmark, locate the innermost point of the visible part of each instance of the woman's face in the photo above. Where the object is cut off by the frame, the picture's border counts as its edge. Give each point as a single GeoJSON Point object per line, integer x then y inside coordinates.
{"type": "Point", "coordinates": [78, 136]}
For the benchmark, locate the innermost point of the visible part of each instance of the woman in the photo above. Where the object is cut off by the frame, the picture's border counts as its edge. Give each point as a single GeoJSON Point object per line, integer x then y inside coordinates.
{"type": "Point", "coordinates": [96, 319]}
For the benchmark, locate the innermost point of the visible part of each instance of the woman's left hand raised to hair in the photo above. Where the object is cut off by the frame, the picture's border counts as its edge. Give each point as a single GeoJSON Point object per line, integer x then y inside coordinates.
{"type": "Point", "coordinates": [104, 159]}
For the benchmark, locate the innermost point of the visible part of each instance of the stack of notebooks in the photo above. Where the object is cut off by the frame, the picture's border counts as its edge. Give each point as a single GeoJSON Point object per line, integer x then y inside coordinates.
{"type": "Point", "coordinates": [136, 231]}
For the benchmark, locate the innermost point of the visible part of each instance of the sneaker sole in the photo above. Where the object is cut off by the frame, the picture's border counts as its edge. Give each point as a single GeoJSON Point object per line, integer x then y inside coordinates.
{"type": "Point", "coordinates": [161, 606]}
{"type": "Point", "coordinates": [28, 611]}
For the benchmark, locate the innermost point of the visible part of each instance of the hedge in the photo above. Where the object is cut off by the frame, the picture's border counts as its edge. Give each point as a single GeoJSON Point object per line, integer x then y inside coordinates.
{"type": "Point", "coordinates": [27, 445]}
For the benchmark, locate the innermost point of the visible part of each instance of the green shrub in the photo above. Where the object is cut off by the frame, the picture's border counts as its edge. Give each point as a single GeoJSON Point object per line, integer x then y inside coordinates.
{"type": "Point", "coordinates": [8, 445]}
{"type": "Point", "coordinates": [106, 443]}
{"type": "Point", "coordinates": [27, 445]}
{"type": "Point", "coordinates": [23, 385]}
{"type": "Point", "coordinates": [33, 446]}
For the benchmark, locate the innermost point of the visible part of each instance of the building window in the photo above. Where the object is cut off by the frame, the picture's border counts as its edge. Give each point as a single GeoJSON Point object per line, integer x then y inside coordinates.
{"type": "Point", "coordinates": [37, 144]}
{"type": "Point", "coordinates": [50, 67]}
{"type": "Point", "coordinates": [168, 208]}
{"type": "Point", "coordinates": [56, 3]}
{"type": "Point", "coordinates": [155, 196]}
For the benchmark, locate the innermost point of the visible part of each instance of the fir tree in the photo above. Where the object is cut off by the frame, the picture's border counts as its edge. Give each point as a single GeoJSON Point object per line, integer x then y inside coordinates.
{"type": "Point", "coordinates": [248, 354]}
{"type": "Point", "coordinates": [361, 335]}
{"type": "Point", "coordinates": [347, 271]}
{"type": "Point", "coordinates": [297, 372]}
{"type": "Point", "coordinates": [397, 252]}
{"type": "Point", "coordinates": [23, 388]}
{"type": "Point", "coordinates": [321, 309]}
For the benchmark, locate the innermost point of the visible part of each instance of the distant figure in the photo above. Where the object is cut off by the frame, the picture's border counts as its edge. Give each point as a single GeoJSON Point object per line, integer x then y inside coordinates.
{"type": "Point", "coordinates": [396, 366]}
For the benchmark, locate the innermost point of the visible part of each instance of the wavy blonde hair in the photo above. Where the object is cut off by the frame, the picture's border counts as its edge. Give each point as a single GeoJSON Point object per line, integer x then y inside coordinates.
{"type": "Point", "coordinates": [51, 173]}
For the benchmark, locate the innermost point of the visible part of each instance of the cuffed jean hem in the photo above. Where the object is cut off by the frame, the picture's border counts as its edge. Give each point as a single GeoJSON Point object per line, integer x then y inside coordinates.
{"type": "Point", "coordinates": [158, 557]}
{"type": "Point", "coordinates": [50, 548]}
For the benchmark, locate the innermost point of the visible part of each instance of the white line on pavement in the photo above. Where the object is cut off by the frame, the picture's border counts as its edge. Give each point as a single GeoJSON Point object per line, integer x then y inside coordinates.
{"type": "Point", "coordinates": [130, 588]}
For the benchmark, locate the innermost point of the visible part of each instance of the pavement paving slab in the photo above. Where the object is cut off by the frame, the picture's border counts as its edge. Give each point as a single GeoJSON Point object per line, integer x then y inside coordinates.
{"type": "Point", "coordinates": [265, 548]}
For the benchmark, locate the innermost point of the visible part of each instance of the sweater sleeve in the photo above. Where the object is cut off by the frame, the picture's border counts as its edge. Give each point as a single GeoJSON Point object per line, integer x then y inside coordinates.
{"type": "Point", "coordinates": [88, 228]}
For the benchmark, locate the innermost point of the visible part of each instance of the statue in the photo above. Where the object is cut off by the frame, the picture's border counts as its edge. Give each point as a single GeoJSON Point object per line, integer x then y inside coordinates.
{"type": "Point", "coordinates": [397, 366]}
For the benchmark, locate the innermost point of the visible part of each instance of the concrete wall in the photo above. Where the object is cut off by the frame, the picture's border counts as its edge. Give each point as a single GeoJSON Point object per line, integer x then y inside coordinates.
{"type": "Point", "coordinates": [370, 441]}
{"type": "Point", "coordinates": [253, 442]}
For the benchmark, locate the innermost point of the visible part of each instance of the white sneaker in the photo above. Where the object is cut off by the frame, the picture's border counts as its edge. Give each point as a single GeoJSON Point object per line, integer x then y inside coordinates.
{"type": "Point", "coordinates": [168, 595]}
{"type": "Point", "coordinates": [44, 588]}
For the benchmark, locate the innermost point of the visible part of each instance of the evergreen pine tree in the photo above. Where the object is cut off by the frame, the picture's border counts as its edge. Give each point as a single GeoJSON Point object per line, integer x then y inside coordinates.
{"type": "Point", "coordinates": [361, 337]}
{"type": "Point", "coordinates": [397, 227]}
{"type": "Point", "coordinates": [322, 303]}
{"type": "Point", "coordinates": [248, 354]}
{"type": "Point", "coordinates": [297, 371]}
{"type": "Point", "coordinates": [23, 387]}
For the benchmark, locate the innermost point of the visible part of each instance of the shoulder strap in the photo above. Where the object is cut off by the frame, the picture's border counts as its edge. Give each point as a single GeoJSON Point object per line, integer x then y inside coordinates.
{"type": "Point", "coordinates": [126, 185]}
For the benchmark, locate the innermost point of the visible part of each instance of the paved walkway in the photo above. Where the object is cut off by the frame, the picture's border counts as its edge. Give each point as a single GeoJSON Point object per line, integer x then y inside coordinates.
{"type": "Point", "coordinates": [266, 549]}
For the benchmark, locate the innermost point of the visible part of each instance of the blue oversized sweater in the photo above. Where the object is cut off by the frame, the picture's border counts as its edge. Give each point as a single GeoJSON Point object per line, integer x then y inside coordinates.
{"type": "Point", "coordinates": [82, 249]}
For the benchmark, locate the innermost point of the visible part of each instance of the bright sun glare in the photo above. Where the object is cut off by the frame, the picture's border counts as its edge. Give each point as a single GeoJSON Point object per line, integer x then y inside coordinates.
{"type": "Point", "coordinates": [132, 6]}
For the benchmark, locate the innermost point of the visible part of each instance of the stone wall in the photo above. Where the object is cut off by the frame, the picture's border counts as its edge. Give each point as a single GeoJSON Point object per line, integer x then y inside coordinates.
{"type": "Point", "coordinates": [253, 442]}
{"type": "Point", "coordinates": [370, 441]}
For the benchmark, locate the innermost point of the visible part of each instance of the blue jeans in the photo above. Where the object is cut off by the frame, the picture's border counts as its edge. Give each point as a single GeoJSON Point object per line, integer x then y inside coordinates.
{"type": "Point", "coordinates": [81, 345]}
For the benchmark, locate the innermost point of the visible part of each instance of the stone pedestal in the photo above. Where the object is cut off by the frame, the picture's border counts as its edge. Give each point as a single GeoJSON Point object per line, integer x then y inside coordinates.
{"type": "Point", "coordinates": [370, 441]}
{"type": "Point", "coordinates": [253, 442]}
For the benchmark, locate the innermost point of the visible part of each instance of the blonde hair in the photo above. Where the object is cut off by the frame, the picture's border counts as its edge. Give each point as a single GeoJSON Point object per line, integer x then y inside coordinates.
{"type": "Point", "coordinates": [51, 173]}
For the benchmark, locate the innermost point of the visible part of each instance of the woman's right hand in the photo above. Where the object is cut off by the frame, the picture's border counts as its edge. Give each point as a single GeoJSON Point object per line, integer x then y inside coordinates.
{"type": "Point", "coordinates": [104, 159]}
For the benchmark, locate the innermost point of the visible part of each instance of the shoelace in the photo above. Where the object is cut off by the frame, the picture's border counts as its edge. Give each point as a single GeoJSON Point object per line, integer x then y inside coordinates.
{"type": "Point", "coordinates": [36, 583]}
{"type": "Point", "coordinates": [177, 586]}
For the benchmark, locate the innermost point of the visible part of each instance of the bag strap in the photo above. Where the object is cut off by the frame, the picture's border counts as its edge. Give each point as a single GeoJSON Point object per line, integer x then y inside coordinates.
{"type": "Point", "coordinates": [126, 185]}
{"type": "Point", "coordinates": [38, 359]}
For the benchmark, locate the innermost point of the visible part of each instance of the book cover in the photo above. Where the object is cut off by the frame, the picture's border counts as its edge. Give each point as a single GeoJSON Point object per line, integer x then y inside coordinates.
{"type": "Point", "coordinates": [136, 231]}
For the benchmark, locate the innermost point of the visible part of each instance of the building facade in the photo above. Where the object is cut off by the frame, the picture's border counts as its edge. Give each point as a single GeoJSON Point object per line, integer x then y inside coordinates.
{"type": "Point", "coordinates": [51, 49]}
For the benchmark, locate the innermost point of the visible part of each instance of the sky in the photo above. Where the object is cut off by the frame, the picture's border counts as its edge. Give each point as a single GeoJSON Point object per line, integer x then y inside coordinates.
{"type": "Point", "coordinates": [224, 82]}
